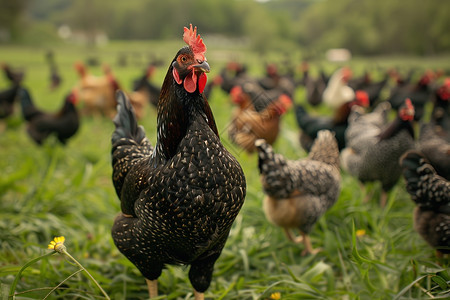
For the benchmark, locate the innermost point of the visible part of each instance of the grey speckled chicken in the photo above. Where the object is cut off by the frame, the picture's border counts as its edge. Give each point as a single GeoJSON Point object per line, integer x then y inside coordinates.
{"type": "Point", "coordinates": [372, 152]}
{"type": "Point", "coordinates": [299, 192]}
{"type": "Point", "coordinates": [178, 200]}
{"type": "Point", "coordinates": [431, 193]}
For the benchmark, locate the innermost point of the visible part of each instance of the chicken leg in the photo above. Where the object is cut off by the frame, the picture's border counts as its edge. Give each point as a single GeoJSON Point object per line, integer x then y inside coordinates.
{"type": "Point", "coordinates": [292, 237]}
{"type": "Point", "coordinates": [152, 288]}
{"type": "Point", "coordinates": [304, 238]}
{"type": "Point", "coordinates": [308, 246]}
{"type": "Point", "coordinates": [199, 296]}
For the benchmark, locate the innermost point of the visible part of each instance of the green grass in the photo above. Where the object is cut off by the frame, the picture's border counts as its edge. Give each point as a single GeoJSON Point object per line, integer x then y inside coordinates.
{"type": "Point", "coordinates": [53, 190]}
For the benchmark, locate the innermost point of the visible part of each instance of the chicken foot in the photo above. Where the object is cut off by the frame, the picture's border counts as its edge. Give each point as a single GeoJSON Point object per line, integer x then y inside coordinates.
{"type": "Point", "coordinates": [304, 238]}
{"type": "Point", "coordinates": [292, 237]}
{"type": "Point", "coordinates": [308, 246]}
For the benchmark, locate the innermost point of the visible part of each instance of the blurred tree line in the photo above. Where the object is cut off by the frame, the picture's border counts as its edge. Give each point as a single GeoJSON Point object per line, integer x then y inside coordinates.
{"type": "Point", "coordinates": [363, 26]}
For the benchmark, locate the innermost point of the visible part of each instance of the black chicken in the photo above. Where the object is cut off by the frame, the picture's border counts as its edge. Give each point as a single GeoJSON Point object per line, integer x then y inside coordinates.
{"type": "Point", "coordinates": [55, 76]}
{"type": "Point", "coordinates": [274, 80]}
{"type": "Point", "coordinates": [419, 93]}
{"type": "Point", "coordinates": [431, 193]}
{"type": "Point", "coordinates": [373, 148]}
{"type": "Point", "coordinates": [180, 198]}
{"type": "Point", "coordinates": [7, 99]}
{"type": "Point", "coordinates": [310, 125]}
{"type": "Point", "coordinates": [142, 84]}
{"type": "Point", "coordinates": [40, 125]}
{"type": "Point", "coordinates": [233, 74]}
{"type": "Point", "coordinates": [314, 86]}
{"type": "Point", "coordinates": [440, 114]}
{"type": "Point", "coordinates": [372, 88]}
{"type": "Point", "coordinates": [14, 76]}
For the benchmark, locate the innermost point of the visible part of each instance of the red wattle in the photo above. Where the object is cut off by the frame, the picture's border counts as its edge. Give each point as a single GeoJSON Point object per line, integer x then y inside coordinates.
{"type": "Point", "coordinates": [190, 82]}
{"type": "Point", "coordinates": [202, 82]}
{"type": "Point", "coordinates": [176, 76]}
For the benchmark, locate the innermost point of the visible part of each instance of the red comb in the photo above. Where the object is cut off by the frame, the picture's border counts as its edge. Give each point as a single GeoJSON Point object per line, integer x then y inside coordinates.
{"type": "Point", "coordinates": [408, 103]}
{"type": "Point", "coordinates": [362, 98]}
{"type": "Point", "coordinates": [195, 42]}
{"type": "Point", "coordinates": [447, 81]}
{"type": "Point", "coordinates": [407, 113]}
{"type": "Point", "coordinates": [444, 90]}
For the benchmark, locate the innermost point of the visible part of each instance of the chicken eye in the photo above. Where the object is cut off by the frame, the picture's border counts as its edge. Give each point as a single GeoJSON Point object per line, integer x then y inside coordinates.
{"type": "Point", "coordinates": [183, 59]}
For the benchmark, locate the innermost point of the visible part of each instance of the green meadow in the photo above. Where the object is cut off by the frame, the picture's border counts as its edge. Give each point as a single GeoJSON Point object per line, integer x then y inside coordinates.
{"type": "Point", "coordinates": [368, 252]}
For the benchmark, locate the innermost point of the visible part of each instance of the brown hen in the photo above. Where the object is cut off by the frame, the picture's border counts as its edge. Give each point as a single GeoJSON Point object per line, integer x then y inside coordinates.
{"type": "Point", "coordinates": [248, 124]}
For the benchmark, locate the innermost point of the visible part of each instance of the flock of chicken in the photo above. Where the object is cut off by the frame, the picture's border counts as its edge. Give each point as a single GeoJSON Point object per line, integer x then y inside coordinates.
{"type": "Point", "coordinates": [180, 198]}
{"type": "Point", "coordinates": [366, 142]}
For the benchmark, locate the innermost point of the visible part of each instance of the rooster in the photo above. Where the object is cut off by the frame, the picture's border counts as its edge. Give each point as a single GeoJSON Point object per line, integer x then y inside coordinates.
{"type": "Point", "coordinates": [431, 193]}
{"type": "Point", "coordinates": [440, 114]}
{"type": "Point", "coordinates": [9, 95]}
{"type": "Point", "coordinates": [299, 192]}
{"type": "Point", "coordinates": [310, 125]}
{"type": "Point", "coordinates": [314, 86]}
{"type": "Point", "coordinates": [275, 80]}
{"type": "Point", "coordinates": [40, 125]}
{"type": "Point", "coordinates": [14, 76]}
{"type": "Point", "coordinates": [144, 93]}
{"type": "Point", "coordinates": [248, 124]}
{"type": "Point", "coordinates": [232, 75]}
{"type": "Point", "coordinates": [180, 198]}
{"type": "Point", "coordinates": [7, 99]}
{"type": "Point", "coordinates": [419, 92]}
{"type": "Point", "coordinates": [373, 149]}
{"type": "Point", "coordinates": [143, 85]}
{"type": "Point", "coordinates": [372, 88]}
{"type": "Point", "coordinates": [55, 77]}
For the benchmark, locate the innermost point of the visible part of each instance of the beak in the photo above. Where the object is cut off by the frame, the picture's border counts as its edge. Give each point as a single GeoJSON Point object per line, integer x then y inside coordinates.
{"type": "Point", "coordinates": [204, 67]}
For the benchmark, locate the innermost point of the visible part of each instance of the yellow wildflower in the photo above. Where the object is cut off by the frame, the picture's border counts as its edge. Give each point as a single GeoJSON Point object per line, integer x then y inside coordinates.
{"type": "Point", "coordinates": [57, 244]}
{"type": "Point", "coordinates": [360, 232]}
{"type": "Point", "coordinates": [275, 296]}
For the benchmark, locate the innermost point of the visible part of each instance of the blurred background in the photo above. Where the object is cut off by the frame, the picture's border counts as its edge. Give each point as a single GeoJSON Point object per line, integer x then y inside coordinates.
{"type": "Point", "coordinates": [363, 26]}
{"type": "Point", "coordinates": [53, 51]}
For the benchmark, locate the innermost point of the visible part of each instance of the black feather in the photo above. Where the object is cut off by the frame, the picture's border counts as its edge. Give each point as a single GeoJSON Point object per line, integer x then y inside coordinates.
{"type": "Point", "coordinates": [125, 121]}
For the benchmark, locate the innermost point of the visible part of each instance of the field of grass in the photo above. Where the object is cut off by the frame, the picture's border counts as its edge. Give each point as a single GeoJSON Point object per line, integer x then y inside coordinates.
{"type": "Point", "coordinates": [367, 252]}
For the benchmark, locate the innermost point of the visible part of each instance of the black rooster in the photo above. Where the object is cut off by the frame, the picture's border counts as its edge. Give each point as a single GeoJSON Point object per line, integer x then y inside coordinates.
{"type": "Point", "coordinates": [13, 76]}
{"type": "Point", "coordinates": [55, 77]}
{"type": "Point", "coordinates": [143, 85]}
{"type": "Point", "coordinates": [310, 125]}
{"type": "Point", "coordinates": [373, 148]}
{"type": "Point", "coordinates": [7, 99]}
{"type": "Point", "coordinates": [180, 198]}
{"type": "Point", "coordinates": [419, 93]}
{"type": "Point", "coordinates": [40, 125]}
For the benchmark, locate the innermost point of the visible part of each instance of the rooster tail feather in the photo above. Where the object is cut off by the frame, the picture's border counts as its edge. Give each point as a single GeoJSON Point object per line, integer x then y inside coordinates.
{"type": "Point", "coordinates": [26, 104]}
{"type": "Point", "coordinates": [300, 115]}
{"type": "Point", "coordinates": [125, 121]}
